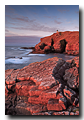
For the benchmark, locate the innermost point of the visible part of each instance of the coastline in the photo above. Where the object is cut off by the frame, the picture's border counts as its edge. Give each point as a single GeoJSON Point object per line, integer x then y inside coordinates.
{"type": "Point", "coordinates": [61, 42]}
{"type": "Point", "coordinates": [17, 58]}
{"type": "Point", "coordinates": [49, 87]}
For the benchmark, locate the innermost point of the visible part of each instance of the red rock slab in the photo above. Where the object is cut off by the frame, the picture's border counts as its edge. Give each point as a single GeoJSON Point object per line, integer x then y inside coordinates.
{"type": "Point", "coordinates": [53, 104]}
{"type": "Point", "coordinates": [39, 72]}
{"type": "Point", "coordinates": [58, 103]}
{"type": "Point", "coordinates": [44, 96]}
{"type": "Point", "coordinates": [10, 81]}
{"type": "Point", "coordinates": [23, 76]}
{"type": "Point", "coordinates": [34, 91]}
{"type": "Point", "coordinates": [35, 108]}
{"type": "Point", "coordinates": [14, 73]}
{"type": "Point", "coordinates": [12, 78]}
{"type": "Point", "coordinates": [74, 61]}
{"type": "Point", "coordinates": [47, 83]}
{"type": "Point", "coordinates": [8, 73]}
{"type": "Point", "coordinates": [70, 94]}
{"type": "Point", "coordinates": [50, 93]}
{"type": "Point", "coordinates": [36, 79]}
{"type": "Point", "coordinates": [22, 107]}
{"type": "Point", "coordinates": [23, 87]}
{"type": "Point", "coordinates": [34, 100]}
{"type": "Point", "coordinates": [38, 100]}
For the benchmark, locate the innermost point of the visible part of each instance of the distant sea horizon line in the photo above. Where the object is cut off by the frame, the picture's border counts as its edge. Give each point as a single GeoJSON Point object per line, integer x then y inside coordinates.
{"type": "Point", "coordinates": [22, 40]}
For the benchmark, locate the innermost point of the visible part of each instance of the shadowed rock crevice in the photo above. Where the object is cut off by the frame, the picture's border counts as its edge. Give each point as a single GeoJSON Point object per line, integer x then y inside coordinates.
{"type": "Point", "coordinates": [52, 42]}
{"type": "Point", "coordinates": [63, 45]}
{"type": "Point", "coordinates": [42, 46]}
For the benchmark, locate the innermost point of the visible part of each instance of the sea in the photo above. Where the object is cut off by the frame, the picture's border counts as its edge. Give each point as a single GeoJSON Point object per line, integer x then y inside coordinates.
{"type": "Point", "coordinates": [17, 58]}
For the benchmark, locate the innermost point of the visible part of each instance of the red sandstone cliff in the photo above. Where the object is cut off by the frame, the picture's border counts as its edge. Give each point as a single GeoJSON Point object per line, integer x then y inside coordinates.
{"type": "Point", "coordinates": [67, 42]}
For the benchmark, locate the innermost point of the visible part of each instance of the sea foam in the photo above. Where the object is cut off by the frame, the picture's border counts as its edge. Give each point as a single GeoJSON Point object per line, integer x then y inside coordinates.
{"type": "Point", "coordinates": [17, 60]}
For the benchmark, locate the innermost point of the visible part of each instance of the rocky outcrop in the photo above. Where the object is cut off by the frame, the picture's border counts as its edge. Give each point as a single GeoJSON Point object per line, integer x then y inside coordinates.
{"type": "Point", "coordinates": [50, 87]}
{"type": "Point", "coordinates": [27, 47]}
{"type": "Point", "coordinates": [60, 42]}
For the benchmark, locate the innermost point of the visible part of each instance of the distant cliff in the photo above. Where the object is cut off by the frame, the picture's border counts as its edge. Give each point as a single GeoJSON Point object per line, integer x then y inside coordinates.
{"type": "Point", "coordinates": [61, 42]}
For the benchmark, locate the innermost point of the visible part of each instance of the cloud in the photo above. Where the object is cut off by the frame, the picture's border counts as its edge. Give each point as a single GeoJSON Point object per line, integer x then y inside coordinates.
{"type": "Point", "coordinates": [29, 24]}
{"type": "Point", "coordinates": [9, 9]}
{"type": "Point", "coordinates": [47, 16]}
{"type": "Point", "coordinates": [61, 10]}
{"type": "Point", "coordinates": [46, 9]}
{"type": "Point", "coordinates": [76, 27]}
{"type": "Point", "coordinates": [6, 30]}
{"type": "Point", "coordinates": [57, 22]}
{"type": "Point", "coordinates": [20, 18]}
{"type": "Point", "coordinates": [77, 12]}
{"type": "Point", "coordinates": [37, 27]}
{"type": "Point", "coordinates": [10, 34]}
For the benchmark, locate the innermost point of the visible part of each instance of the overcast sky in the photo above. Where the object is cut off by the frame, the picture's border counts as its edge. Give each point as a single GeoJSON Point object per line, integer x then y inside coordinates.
{"type": "Point", "coordinates": [40, 20]}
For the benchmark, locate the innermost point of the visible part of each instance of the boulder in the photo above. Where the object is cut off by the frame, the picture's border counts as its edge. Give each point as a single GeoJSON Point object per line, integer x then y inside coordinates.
{"type": "Point", "coordinates": [44, 96]}
{"type": "Point", "coordinates": [74, 62]}
{"type": "Point", "coordinates": [72, 77]}
{"type": "Point", "coordinates": [70, 95]}
{"type": "Point", "coordinates": [11, 79]}
{"type": "Point", "coordinates": [36, 108]}
{"type": "Point", "coordinates": [58, 104]}
{"type": "Point", "coordinates": [7, 73]}
{"type": "Point", "coordinates": [23, 87]}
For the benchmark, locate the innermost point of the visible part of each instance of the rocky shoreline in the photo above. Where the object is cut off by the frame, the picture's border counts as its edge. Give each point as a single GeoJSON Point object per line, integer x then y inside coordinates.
{"type": "Point", "coordinates": [50, 87]}
{"type": "Point", "coordinates": [61, 42]}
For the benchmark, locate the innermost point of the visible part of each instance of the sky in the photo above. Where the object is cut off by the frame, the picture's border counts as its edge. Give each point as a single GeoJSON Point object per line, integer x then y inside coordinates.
{"type": "Point", "coordinates": [28, 21]}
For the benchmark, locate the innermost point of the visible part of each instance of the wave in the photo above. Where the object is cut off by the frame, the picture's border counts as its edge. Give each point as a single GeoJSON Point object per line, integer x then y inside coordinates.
{"type": "Point", "coordinates": [17, 60]}
{"type": "Point", "coordinates": [36, 55]}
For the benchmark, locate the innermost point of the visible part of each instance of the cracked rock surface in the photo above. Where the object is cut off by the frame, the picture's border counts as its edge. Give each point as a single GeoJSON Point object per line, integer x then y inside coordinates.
{"type": "Point", "coordinates": [50, 87]}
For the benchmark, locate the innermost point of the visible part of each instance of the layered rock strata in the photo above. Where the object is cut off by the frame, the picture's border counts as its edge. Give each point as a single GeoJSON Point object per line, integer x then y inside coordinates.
{"type": "Point", "coordinates": [50, 87]}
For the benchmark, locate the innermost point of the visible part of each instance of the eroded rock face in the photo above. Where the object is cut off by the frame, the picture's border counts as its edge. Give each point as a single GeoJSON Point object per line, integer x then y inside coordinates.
{"type": "Point", "coordinates": [43, 88]}
{"type": "Point", "coordinates": [67, 42]}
